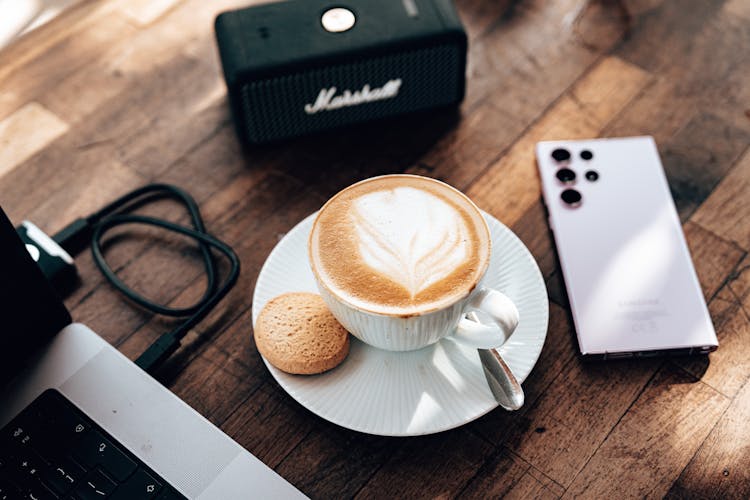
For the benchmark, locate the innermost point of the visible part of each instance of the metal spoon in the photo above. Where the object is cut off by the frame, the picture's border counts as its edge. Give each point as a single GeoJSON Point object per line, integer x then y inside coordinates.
{"type": "Point", "coordinates": [502, 382]}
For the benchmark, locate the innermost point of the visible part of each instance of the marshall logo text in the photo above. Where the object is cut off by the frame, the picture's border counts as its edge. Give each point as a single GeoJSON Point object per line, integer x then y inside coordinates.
{"type": "Point", "coordinates": [328, 100]}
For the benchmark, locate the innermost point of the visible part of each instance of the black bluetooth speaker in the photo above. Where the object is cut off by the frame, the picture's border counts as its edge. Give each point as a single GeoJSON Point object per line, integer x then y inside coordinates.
{"type": "Point", "coordinates": [304, 66]}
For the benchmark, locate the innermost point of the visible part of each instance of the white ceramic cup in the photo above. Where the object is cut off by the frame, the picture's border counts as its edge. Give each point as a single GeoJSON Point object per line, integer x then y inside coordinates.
{"type": "Point", "coordinates": [410, 332]}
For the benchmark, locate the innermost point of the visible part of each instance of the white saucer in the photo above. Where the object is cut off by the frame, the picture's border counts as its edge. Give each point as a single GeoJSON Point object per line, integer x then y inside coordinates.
{"type": "Point", "coordinates": [410, 393]}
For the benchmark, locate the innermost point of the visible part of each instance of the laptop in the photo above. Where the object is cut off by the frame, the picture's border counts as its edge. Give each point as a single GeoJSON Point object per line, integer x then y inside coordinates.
{"type": "Point", "coordinates": [80, 420]}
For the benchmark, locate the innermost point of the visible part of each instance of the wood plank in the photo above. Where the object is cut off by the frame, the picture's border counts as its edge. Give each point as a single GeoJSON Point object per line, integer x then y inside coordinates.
{"type": "Point", "coordinates": [331, 459]}
{"type": "Point", "coordinates": [78, 18]}
{"type": "Point", "coordinates": [706, 79]}
{"type": "Point", "coordinates": [717, 470]}
{"type": "Point", "coordinates": [559, 351]}
{"type": "Point", "coordinates": [739, 283]}
{"type": "Point", "coordinates": [645, 453]}
{"type": "Point", "coordinates": [65, 174]}
{"type": "Point", "coordinates": [79, 199]}
{"type": "Point", "coordinates": [515, 75]}
{"type": "Point", "coordinates": [448, 459]}
{"type": "Point", "coordinates": [217, 368]}
{"type": "Point", "coordinates": [130, 126]}
{"type": "Point", "coordinates": [581, 113]}
{"type": "Point", "coordinates": [727, 209]}
{"type": "Point", "coordinates": [506, 475]}
{"type": "Point", "coordinates": [728, 368]}
{"type": "Point", "coordinates": [65, 57]}
{"type": "Point", "coordinates": [714, 72]}
{"type": "Point", "coordinates": [533, 229]}
{"type": "Point", "coordinates": [669, 26]}
{"type": "Point", "coordinates": [698, 157]}
{"type": "Point", "coordinates": [269, 424]}
{"type": "Point", "coordinates": [216, 373]}
{"type": "Point", "coordinates": [714, 258]}
{"type": "Point", "coordinates": [570, 420]}
{"type": "Point", "coordinates": [516, 67]}
{"type": "Point", "coordinates": [646, 114]}
{"type": "Point", "coordinates": [25, 132]}
{"type": "Point", "coordinates": [145, 12]}
{"type": "Point", "coordinates": [130, 64]}
{"type": "Point", "coordinates": [738, 8]}
{"type": "Point", "coordinates": [478, 16]}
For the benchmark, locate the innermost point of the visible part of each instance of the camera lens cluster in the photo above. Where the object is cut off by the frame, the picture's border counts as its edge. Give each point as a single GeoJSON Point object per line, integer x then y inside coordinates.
{"type": "Point", "coordinates": [567, 176]}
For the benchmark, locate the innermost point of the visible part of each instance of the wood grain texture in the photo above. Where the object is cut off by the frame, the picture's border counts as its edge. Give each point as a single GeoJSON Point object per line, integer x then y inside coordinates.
{"type": "Point", "coordinates": [507, 475]}
{"type": "Point", "coordinates": [672, 417]}
{"type": "Point", "coordinates": [579, 114]}
{"type": "Point", "coordinates": [729, 374]}
{"type": "Point", "coordinates": [738, 8]}
{"type": "Point", "coordinates": [727, 210]}
{"type": "Point", "coordinates": [25, 132]}
{"type": "Point", "coordinates": [559, 350]}
{"type": "Point", "coordinates": [113, 94]}
{"type": "Point", "coordinates": [718, 258]}
{"type": "Point", "coordinates": [571, 419]}
{"type": "Point", "coordinates": [147, 11]}
{"type": "Point", "coordinates": [715, 471]}
{"type": "Point", "coordinates": [441, 458]}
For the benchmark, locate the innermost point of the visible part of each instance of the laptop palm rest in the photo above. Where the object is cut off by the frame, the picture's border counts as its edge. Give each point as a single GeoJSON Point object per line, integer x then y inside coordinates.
{"type": "Point", "coordinates": [163, 431]}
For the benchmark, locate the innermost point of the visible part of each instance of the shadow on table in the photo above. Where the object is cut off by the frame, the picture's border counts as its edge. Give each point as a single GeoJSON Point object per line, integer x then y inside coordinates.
{"type": "Point", "coordinates": [337, 158]}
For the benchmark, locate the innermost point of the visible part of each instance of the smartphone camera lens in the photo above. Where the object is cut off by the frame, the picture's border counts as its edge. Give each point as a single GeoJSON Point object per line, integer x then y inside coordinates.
{"type": "Point", "coordinates": [561, 154]}
{"type": "Point", "coordinates": [586, 154]}
{"type": "Point", "coordinates": [592, 175]}
{"type": "Point", "coordinates": [571, 197]}
{"type": "Point", "coordinates": [566, 175]}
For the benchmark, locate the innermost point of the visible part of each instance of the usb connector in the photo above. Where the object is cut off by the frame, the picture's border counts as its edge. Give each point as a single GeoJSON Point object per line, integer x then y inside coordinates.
{"type": "Point", "coordinates": [54, 261]}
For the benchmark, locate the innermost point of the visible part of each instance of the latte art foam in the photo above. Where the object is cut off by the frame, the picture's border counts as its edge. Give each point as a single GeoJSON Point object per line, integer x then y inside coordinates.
{"type": "Point", "coordinates": [411, 236]}
{"type": "Point", "coordinates": [399, 245]}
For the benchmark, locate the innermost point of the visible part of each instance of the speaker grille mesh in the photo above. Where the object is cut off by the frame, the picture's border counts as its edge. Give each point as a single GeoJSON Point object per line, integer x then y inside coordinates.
{"type": "Point", "coordinates": [274, 108]}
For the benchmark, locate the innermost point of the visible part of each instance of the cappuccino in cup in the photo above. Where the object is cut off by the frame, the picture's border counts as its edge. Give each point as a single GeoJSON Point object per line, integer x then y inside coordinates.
{"type": "Point", "coordinates": [400, 245]}
{"type": "Point", "coordinates": [397, 259]}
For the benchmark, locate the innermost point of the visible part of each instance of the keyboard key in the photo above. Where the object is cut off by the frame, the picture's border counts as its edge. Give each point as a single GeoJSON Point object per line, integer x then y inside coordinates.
{"type": "Point", "coordinates": [44, 430]}
{"type": "Point", "coordinates": [38, 491]}
{"type": "Point", "coordinates": [28, 467]}
{"type": "Point", "coordinates": [52, 449]}
{"type": "Point", "coordinates": [94, 449]}
{"type": "Point", "coordinates": [70, 427]}
{"type": "Point", "coordinates": [140, 485]}
{"type": "Point", "coordinates": [63, 475]}
{"type": "Point", "coordinates": [8, 491]}
{"type": "Point", "coordinates": [16, 434]}
{"type": "Point", "coordinates": [95, 486]}
{"type": "Point", "coordinates": [59, 425]}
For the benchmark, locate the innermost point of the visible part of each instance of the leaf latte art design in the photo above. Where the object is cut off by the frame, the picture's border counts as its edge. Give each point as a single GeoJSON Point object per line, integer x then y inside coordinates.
{"type": "Point", "coordinates": [411, 236]}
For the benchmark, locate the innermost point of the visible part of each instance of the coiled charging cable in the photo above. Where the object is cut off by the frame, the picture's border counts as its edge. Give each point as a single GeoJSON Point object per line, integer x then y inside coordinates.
{"type": "Point", "coordinates": [91, 230]}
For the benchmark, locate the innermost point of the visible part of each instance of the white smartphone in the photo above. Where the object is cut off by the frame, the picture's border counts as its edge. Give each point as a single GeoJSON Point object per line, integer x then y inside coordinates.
{"type": "Point", "coordinates": [630, 280]}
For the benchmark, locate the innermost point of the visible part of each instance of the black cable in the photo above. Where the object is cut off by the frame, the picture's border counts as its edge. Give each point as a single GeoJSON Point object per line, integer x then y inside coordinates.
{"type": "Point", "coordinates": [93, 228]}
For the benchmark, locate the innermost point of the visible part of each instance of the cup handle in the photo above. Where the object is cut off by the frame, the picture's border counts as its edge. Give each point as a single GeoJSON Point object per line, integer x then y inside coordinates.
{"type": "Point", "coordinates": [498, 307]}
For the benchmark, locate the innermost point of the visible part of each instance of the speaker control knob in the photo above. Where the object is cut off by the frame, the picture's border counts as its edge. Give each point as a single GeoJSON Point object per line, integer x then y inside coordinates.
{"type": "Point", "coordinates": [337, 20]}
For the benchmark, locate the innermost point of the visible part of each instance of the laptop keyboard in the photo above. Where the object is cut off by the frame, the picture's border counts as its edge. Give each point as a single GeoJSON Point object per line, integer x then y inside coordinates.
{"type": "Point", "coordinates": [53, 450]}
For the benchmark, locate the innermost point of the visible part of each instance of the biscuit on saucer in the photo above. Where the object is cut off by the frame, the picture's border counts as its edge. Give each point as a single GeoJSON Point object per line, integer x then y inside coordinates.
{"type": "Point", "coordinates": [297, 333]}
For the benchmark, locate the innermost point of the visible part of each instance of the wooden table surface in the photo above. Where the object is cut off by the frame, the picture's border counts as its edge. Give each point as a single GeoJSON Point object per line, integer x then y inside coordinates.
{"type": "Point", "coordinates": [115, 94]}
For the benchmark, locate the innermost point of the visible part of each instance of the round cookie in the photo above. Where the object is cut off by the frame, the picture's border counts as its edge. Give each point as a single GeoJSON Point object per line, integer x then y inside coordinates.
{"type": "Point", "coordinates": [297, 333]}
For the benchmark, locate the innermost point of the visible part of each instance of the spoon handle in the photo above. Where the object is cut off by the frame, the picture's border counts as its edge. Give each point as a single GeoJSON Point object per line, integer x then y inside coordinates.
{"type": "Point", "coordinates": [502, 382]}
